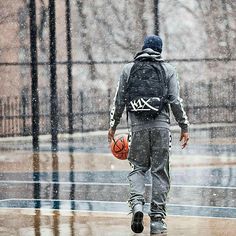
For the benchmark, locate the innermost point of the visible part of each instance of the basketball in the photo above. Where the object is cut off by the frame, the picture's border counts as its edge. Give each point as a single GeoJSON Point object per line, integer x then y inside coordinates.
{"type": "Point", "coordinates": [120, 147]}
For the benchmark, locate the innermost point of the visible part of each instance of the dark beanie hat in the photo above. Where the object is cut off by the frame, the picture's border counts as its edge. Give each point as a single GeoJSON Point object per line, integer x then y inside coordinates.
{"type": "Point", "coordinates": [154, 42]}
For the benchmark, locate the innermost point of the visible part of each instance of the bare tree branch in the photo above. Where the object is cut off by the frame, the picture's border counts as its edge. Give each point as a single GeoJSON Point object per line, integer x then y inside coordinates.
{"type": "Point", "coordinates": [85, 38]}
{"type": "Point", "coordinates": [4, 18]}
{"type": "Point", "coordinates": [177, 2]}
{"type": "Point", "coordinates": [227, 30]}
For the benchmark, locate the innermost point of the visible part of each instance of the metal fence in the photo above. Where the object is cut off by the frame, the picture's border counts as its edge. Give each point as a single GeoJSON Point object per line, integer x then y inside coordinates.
{"type": "Point", "coordinates": [208, 102]}
{"type": "Point", "coordinates": [212, 101]}
{"type": "Point", "coordinates": [90, 113]}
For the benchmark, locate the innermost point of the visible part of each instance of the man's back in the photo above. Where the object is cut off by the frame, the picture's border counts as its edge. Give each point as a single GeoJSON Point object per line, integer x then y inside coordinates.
{"type": "Point", "coordinates": [146, 89]}
{"type": "Point", "coordinates": [171, 81]}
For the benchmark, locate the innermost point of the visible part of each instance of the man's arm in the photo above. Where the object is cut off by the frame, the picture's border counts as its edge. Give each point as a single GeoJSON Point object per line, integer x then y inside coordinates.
{"type": "Point", "coordinates": [177, 107]}
{"type": "Point", "coordinates": [118, 104]}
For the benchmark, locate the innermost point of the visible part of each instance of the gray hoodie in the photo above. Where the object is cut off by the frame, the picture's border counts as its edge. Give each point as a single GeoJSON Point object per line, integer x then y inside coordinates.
{"type": "Point", "coordinates": [163, 119]}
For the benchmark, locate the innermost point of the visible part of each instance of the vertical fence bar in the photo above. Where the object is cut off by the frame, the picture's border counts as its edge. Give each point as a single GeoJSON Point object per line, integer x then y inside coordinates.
{"type": "Point", "coordinates": [23, 113]}
{"type": "Point", "coordinates": [234, 100]}
{"type": "Point", "coordinates": [185, 96]}
{"type": "Point", "coordinates": [12, 118]}
{"type": "Point", "coordinates": [108, 105]}
{"type": "Point", "coordinates": [18, 115]}
{"type": "Point", "coordinates": [82, 111]}
{"type": "Point", "coordinates": [210, 109]}
{"type": "Point", "coordinates": [210, 101]}
{"type": "Point", "coordinates": [8, 116]}
{"type": "Point", "coordinates": [1, 118]}
{"type": "Point", "coordinates": [15, 127]}
{"type": "Point", "coordinates": [34, 76]}
{"type": "Point", "coordinates": [69, 67]}
{"type": "Point", "coordinates": [4, 117]}
{"type": "Point", "coordinates": [53, 77]}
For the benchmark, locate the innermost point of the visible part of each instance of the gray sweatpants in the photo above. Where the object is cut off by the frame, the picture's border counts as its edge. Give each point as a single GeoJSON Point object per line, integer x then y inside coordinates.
{"type": "Point", "coordinates": [149, 149]}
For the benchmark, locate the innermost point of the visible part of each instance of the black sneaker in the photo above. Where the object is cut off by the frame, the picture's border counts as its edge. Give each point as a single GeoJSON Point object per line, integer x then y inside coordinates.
{"type": "Point", "coordinates": [137, 219]}
{"type": "Point", "coordinates": [158, 226]}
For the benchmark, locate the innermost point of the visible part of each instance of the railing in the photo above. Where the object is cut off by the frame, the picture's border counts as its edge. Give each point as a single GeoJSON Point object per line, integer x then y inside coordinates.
{"type": "Point", "coordinates": [207, 103]}
{"type": "Point", "coordinates": [90, 113]}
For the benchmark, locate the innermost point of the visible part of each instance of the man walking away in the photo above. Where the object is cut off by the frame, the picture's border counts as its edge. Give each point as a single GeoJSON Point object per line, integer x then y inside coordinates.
{"type": "Point", "coordinates": [149, 88]}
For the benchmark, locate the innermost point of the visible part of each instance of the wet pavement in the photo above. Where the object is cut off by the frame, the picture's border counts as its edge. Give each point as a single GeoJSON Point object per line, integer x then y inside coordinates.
{"type": "Point", "coordinates": [85, 193]}
{"type": "Point", "coordinates": [26, 222]}
{"type": "Point", "coordinates": [207, 139]}
{"type": "Point", "coordinates": [212, 187]}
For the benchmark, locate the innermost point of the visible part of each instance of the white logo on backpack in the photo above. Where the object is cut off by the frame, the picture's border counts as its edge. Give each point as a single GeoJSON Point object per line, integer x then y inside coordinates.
{"type": "Point", "coordinates": [143, 105]}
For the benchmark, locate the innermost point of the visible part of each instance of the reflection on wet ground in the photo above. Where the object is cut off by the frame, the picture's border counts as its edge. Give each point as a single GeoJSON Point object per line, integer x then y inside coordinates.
{"type": "Point", "coordinates": [37, 222]}
{"type": "Point", "coordinates": [46, 223]}
{"type": "Point", "coordinates": [86, 195]}
{"type": "Point", "coordinates": [206, 191]}
{"type": "Point", "coordinates": [201, 186]}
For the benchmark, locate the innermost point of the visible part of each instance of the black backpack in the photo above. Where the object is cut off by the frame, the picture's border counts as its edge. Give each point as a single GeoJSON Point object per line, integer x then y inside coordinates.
{"type": "Point", "coordinates": [147, 89]}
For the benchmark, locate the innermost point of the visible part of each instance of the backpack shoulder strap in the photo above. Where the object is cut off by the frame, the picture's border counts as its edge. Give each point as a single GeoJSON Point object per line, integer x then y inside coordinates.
{"type": "Point", "coordinates": [165, 81]}
{"type": "Point", "coordinates": [164, 78]}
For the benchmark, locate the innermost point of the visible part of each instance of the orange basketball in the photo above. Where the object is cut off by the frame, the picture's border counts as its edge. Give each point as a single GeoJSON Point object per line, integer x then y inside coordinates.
{"type": "Point", "coordinates": [120, 146]}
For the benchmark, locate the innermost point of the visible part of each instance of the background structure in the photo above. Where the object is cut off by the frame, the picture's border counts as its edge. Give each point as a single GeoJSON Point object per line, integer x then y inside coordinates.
{"type": "Point", "coordinates": [198, 36]}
